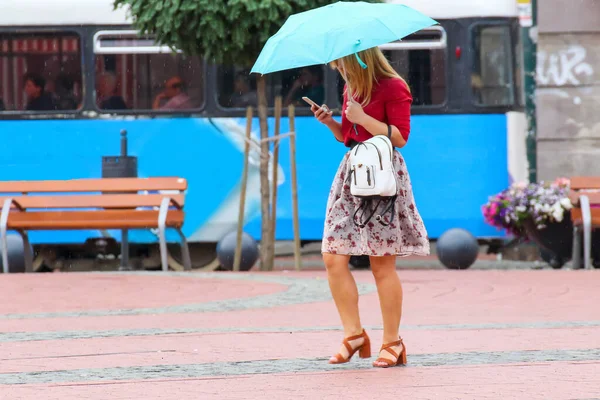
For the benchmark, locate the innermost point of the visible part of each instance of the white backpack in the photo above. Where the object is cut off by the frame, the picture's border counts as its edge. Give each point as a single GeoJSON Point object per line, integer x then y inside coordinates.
{"type": "Point", "coordinates": [372, 176]}
{"type": "Point", "coordinates": [372, 169]}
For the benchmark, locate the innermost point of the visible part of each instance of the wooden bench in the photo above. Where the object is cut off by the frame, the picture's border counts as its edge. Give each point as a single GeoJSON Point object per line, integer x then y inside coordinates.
{"type": "Point", "coordinates": [107, 203]}
{"type": "Point", "coordinates": [584, 194]}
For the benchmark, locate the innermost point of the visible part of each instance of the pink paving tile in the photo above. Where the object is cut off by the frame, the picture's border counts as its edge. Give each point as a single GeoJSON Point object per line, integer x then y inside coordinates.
{"type": "Point", "coordinates": [557, 381]}
{"type": "Point", "coordinates": [81, 291]}
{"type": "Point", "coordinates": [431, 297]}
{"type": "Point", "coordinates": [202, 348]}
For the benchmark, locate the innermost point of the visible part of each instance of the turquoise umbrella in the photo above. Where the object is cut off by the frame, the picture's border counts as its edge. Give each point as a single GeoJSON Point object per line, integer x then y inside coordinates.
{"type": "Point", "coordinates": [327, 33]}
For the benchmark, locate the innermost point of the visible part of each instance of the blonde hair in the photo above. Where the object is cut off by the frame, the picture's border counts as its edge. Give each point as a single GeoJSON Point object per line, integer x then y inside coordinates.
{"type": "Point", "coordinates": [360, 81]}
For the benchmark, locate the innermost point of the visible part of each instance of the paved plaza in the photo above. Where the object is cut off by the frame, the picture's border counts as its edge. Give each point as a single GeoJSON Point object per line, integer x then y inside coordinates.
{"type": "Point", "coordinates": [473, 334]}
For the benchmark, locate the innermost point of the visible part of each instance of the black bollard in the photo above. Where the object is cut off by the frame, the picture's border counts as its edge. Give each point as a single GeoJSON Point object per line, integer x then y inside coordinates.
{"type": "Point", "coordinates": [124, 232]}
{"type": "Point", "coordinates": [122, 166]}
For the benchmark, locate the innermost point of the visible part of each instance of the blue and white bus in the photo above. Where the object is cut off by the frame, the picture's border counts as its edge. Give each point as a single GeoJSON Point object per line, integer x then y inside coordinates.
{"type": "Point", "coordinates": [185, 116]}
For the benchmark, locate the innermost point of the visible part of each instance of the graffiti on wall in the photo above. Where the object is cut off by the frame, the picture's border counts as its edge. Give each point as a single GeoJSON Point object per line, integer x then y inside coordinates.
{"type": "Point", "coordinates": [564, 67]}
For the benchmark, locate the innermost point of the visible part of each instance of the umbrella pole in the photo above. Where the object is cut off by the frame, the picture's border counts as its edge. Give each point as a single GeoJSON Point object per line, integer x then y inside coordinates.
{"type": "Point", "coordinates": [296, 219]}
{"type": "Point", "coordinates": [348, 88]}
{"type": "Point", "coordinates": [237, 258]}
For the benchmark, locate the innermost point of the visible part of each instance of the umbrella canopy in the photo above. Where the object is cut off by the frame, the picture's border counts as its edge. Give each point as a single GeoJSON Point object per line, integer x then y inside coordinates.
{"type": "Point", "coordinates": [330, 32]}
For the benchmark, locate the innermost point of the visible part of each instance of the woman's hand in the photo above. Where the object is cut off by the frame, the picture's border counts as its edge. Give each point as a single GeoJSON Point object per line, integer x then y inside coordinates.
{"type": "Point", "coordinates": [323, 114]}
{"type": "Point", "coordinates": [355, 112]}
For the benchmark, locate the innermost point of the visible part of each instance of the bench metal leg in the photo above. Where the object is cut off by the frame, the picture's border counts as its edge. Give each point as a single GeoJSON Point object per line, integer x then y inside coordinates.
{"type": "Point", "coordinates": [3, 227]}
{"type": "Point", "coordinates": [185, 252]}
{"type": "Point", "coordinates": [162, 237]}
{"type": "Point", "coordinates": [577, 232]}
{"type": "Point", "coordinates": [125, 251]}
{"type": "Point", "coordinates": [4, 251]}
{"type": "Point", "coordinates": [27, 251]}
{"type": "Point", "coordinates": [587, 231]}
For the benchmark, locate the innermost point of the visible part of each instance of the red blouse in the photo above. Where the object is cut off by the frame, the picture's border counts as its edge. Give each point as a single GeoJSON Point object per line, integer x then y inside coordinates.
{"type": "Point", "coordinates": [390, 103]}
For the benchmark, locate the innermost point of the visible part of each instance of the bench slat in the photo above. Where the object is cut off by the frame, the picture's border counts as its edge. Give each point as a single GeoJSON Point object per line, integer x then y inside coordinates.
{"type": "Point", "coordinates": [576, 216]}
{"type": "Point", "coordinates": [105, 219]}
{"type": "Point", "coordinates": [94, 185]}
{"type": "Point", "coordinates": [584, 182]}
{"type": "Point", "coordinates": [93, 201]}
{"type": "Point", "coordinates": [594, 197]}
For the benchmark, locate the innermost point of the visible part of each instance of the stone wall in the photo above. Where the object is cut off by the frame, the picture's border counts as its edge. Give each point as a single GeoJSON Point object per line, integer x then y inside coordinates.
{"type": "Point", "coordinates": [568, 94]}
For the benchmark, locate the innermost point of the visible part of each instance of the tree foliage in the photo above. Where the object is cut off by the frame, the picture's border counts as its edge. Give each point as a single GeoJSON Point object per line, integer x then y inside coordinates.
{"type": "Point", "coordinates": [222, 31]}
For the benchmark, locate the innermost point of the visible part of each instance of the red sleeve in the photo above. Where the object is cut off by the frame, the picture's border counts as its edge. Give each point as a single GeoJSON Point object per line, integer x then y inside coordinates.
{"type": "Point", "coordinates": [397, 107]}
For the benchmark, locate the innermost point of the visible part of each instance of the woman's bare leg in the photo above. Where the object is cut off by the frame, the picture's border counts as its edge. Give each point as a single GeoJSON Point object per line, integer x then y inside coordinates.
{"type": "Point", "coordinates": [389, 289]}
{"type": "Point", "coordinates": [345, 295]}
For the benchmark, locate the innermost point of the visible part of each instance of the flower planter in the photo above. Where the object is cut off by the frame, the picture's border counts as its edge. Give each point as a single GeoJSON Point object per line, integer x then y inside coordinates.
{"type": "Point", "coordinates": [520, 208]}
{"type": "Point", "coordinates": [556, 241]}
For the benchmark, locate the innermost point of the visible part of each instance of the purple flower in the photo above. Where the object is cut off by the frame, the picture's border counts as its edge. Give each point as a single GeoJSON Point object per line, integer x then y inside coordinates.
{"type": "Point", "coordinates": [539, 202]}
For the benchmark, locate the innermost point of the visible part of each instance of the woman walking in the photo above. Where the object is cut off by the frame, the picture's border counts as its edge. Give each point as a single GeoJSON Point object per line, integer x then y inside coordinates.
{"type": "Point", "coordinates": [374, 97]}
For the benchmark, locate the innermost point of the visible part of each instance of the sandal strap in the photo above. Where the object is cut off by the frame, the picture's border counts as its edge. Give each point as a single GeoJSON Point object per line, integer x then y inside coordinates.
{"type": "Point", "coordinates": [392, 344]}
{"type": "Point", "coordinates": [386, 360]}
{"type": "Point", "coordinates": [355, 337]}
{"type": "Point", "coordinates": [351, 350]}
{"type": "Point", "coordinates": [388, 347]}
{"type": "Point", "coordinates": [392, 352]}
{"type": "Point", "coordinates": [348, 346]}
{"type": "Point", "coordinates": [347, 341]}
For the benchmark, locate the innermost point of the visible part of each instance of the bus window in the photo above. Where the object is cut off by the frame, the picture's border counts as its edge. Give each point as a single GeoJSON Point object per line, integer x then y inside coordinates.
{"type": "Point", "coordinates": [519, 72]}
{"type": "Point", "coordinates": [40, 72]}
{"type": "Point", "coordinates": [424, 71]}
{"type": "Point", "coordinates": [133, 73]}
{"type": "Point", "coordinates": [420, 59]}
{"type": "Point", "coordinates": [492, 75]}
{"type": "Point", "coordinates": [237, 87]}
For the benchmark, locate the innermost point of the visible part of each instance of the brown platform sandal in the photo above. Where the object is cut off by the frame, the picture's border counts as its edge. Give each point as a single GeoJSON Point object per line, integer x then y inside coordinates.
{"type": "Point", "coordinates": [400, 359]}
{"type": "Point", "coordinates": [364, 350]}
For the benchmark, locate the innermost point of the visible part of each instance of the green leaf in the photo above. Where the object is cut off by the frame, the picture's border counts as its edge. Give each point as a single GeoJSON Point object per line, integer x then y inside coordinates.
{"type": "Point", "coordinates": [232, 31]}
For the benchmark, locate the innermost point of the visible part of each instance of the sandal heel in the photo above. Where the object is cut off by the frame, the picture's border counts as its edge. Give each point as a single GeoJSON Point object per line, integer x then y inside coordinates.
{"type": "Point", "coordinates": [365, 349]}
{"type": "Point", "coordinates": [402, 358]}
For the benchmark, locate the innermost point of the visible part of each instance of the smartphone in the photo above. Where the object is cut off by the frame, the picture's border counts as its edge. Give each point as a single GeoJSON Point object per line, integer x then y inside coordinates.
{"type": "Point", "coordinates": [312, 103]}
{"type": "Point", "coordinates": [309, 101]}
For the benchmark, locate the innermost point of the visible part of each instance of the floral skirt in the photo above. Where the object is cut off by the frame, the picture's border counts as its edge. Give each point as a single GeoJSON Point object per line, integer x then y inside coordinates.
{"type": "Point", "coordinates": [404, 235]}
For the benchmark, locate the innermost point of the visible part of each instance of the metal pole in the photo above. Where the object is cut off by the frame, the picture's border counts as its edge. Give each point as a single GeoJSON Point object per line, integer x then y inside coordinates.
{"type": "Point", "coordinates": [123, 143]}
{"type": "Point", "coordinates": [237, 258]}
{"type": "Point", "coordinates": [529, 32]}
{"type": "Point", "coordinates": [124, 233]}
{"type": "Point", "coordinates": [275, 162]}
{"type": "Point", "coordinates": [294, 184]}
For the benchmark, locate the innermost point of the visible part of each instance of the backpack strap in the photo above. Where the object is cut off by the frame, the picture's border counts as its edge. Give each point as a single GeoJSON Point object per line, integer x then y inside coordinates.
{"type": "Point", "coordinates": [367, 203]}
{"type": "Point", "coordinates": [391, 208]}
{"type": "Point", "coordinates": [389, 134]}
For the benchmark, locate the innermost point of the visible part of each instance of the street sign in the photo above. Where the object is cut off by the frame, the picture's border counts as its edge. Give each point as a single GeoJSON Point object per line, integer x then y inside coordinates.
{"type": "Point", "coordinates": [525, 15]}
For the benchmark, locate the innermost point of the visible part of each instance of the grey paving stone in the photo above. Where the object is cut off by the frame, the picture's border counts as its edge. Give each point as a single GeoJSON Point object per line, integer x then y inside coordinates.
{"type": "Point", "coordinates": [294, 365]}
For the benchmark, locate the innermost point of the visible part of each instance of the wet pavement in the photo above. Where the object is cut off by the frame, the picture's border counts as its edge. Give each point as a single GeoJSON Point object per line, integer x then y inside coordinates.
{"type": "Point", "coordinates": [475, 334]}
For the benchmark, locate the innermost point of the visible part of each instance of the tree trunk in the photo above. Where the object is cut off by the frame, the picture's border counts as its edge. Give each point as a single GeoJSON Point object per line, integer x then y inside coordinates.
{"type": "Point", "coordinates": [266, 244]}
